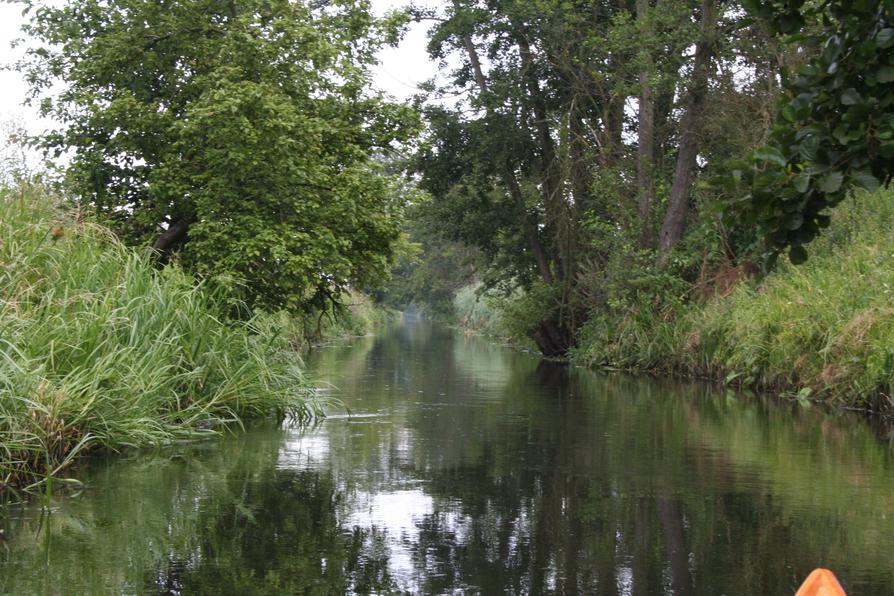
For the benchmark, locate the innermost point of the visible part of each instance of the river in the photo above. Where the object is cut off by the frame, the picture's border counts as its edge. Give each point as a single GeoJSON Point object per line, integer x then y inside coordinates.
{"type": "Point", "coordinates": [457, 466]}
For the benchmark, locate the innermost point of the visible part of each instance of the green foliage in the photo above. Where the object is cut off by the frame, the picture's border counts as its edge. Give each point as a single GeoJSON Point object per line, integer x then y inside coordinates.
{"type": "Point", "coordinates": [432, 267]}
{"type": "Point", "coordinates": [521, 313]}
{"type": "Point", "coordinates": [478, 310]}
{"type": "Point", "coordinates": [634, 303]}
{"type": "Point", "coordinates": [545, 166]}
{"type": "Point", "coordinates": [460, 167]}
{"type": "Point", "coordinates": [239, 134]}
{"type": "Point", "coordinates": [100, 349]}
{"type": "Point", "coordinates": [357, 315]}
{"type": "Point", "coordinates": [825, 327]}
{"type": "Point", "coordinates": [835, 134]}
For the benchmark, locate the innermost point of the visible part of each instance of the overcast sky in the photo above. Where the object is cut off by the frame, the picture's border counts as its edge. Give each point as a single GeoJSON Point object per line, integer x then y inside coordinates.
{"type": "Point", "coordinates": [400, 71]}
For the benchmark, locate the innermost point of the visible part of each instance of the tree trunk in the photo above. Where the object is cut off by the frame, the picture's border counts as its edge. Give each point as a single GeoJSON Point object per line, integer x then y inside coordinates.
{"type": "Point", "coordinates": [551, 338]}
{"type": "Point", "coordinates": [529, 227]}
{"type": "Point", "coordinates": [678, 207]}
{"type": "Point", "coordinates": [550, 176]}
{"type": "Point", "coordinates": [614, 128]}
{"type": "Point", "coordinates": [645, 150]}
{"type": "Point", "coordinates": [171, 238]}
{"type": "Point", "coordinates": [579, 170]}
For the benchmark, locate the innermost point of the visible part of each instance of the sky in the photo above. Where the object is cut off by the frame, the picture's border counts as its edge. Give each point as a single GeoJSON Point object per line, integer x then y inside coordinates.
{"type": "Point", "coordinates": [12, 87]}
{"type": "Point", "coordinates": [400, 70]}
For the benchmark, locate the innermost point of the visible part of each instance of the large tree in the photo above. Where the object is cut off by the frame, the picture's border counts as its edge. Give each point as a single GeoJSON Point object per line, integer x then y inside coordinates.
{"type": "Point", "coordinates": [237, 134]}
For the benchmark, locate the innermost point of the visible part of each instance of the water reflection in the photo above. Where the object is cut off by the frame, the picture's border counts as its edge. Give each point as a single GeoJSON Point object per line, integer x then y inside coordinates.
{"type": "Point", "coordinates": [465, 467]}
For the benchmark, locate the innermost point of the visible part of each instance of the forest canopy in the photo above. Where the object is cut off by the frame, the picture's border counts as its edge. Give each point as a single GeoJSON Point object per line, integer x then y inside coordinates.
{"type": "Point", "coordinates": [594, 161]}
{"type": "Point", "coordinates": [614, 158]}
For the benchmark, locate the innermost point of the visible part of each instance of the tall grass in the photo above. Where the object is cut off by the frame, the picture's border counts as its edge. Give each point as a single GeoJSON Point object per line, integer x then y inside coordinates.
{"type": "Point", "coordinates": [823, 329]}
{"type": "Point", "coordinates": [99, 349]}
{"type": "Point", "coordinates": [478, 312]}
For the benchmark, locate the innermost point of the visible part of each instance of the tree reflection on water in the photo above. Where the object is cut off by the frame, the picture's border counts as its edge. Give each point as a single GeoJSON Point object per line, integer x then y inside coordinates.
{"type": "Point", "coordinates": [470, 468]}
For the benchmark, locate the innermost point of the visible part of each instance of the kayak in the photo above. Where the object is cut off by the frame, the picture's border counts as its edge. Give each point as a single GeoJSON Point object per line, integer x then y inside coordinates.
{"type": "Point", "coordinates": [821, 582]}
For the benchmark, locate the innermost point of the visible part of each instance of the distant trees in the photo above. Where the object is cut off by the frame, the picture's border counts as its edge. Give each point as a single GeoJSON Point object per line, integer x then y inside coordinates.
{"type": "Point", "coordinates": [236, 134]}
{"type": "Point", "coordinates": [583, 130]}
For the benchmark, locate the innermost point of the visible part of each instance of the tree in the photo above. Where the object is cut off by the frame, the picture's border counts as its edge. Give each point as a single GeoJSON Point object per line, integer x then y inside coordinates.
{"type": "Point", "coordinates": [835, 131]}
{"type": "Point", "coordinates": [690, 128]}
{"type": "Point", "coordinates": [581, 134]}
{"type": "Point", "coordinates": [236, 134]}
{"type": "Point", "coordinates": [508, 172]}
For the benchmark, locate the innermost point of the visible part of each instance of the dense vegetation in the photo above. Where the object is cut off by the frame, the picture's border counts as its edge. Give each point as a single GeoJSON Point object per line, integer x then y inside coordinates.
{"type": "Point", "coordinates": [98, 348]}
{"type": "Point", "coordinates": [592, 180]}
{"type": "Point", "coordinates": [619, 169]}
{"type": "Point", "coordinates": [834, 132]}
{"type": "Point", "coordinates": [577, 158]}
{"type": "Point", "coordinates": [821, 329]}
{"type": "Point", "coordinates": [237, 136]}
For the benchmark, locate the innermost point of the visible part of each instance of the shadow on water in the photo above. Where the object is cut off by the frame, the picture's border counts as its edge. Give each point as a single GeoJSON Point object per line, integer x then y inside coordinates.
{"type": "Point", "coordinates": [466, 467]}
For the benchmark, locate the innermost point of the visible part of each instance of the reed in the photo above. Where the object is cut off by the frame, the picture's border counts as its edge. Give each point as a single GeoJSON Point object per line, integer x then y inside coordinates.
{"type": "Point", "coordinates": [100, 349]}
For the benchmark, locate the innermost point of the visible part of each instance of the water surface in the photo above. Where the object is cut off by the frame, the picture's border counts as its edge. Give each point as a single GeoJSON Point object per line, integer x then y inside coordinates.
{"type": "Point", "coordinates": [464, 467]}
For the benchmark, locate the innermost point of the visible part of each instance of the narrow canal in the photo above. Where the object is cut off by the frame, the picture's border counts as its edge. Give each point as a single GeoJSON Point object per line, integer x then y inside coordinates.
{"type": "Point", "coordinates": [464, 467]}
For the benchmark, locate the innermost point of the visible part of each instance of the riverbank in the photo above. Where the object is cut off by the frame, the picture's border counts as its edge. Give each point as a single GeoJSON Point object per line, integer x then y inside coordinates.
{"type": "Point", "coordinates": [823, 330]}
{"type": "Point", "coordinates": [101, 350]}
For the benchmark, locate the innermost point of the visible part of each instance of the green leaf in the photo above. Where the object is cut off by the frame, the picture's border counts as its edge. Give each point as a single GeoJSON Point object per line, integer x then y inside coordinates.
{"type": "Point", "coordinates": [850, 97]}
{"type": "Point", "coordinates": [801, 182]}
{"type": "Point", "coordinates": [794, 221]}
{"type": "Point", "coordinates": [797, 254]}
{"type": "Point", "coordinates": [865, 179]}
{"type": "Point", "coordinates": [789, 23]}
{"type": "Point", "coordinates": [831, 182]}
{"type": "Point", "coordinates": [885, 74]}
{"type": "Point", "coordinates": [771, 154]}
{"type": "Point", "coordinates": [885, 38]}
{"type": "Point", "coordinates": [842, 134]}
{"type": "Point", "coordinates": [789, 113]}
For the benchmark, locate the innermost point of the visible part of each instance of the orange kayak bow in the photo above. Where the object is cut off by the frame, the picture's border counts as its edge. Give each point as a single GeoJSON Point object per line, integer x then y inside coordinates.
{"type": "Point", "coordinates": [821, 582]}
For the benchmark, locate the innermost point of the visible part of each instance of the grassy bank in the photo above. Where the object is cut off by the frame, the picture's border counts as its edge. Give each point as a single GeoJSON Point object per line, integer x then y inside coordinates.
{"type": "Point", "coordinates": [99, 349]}
{"type": "Point", "coordinates": [824, 329]}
